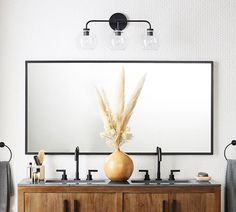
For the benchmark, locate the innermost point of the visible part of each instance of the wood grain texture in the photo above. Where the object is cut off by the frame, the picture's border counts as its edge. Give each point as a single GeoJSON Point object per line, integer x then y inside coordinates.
{"type": "Point", "coordinates": [43, 202]}
{"type": "Point", "coordinates": [53, 202]}
{"type": "Point", "coordinates": [119, 199]}
{"type": "Point", "coordinates": [21, 199]}
{"type": "Point", "coordinates": [91, 202]}
{"type": "Point", "coordinates": [132, 189]}
{"type": "Point", "coordinates": [150, 202]}
{"type": "Point", "coordinates": [195, 202]}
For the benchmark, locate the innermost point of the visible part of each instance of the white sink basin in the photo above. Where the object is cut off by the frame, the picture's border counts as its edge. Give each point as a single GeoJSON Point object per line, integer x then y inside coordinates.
{"type": "Point", "coordinates": [162, 181]}
{"type": "Point", "coordinates": [57, 181]}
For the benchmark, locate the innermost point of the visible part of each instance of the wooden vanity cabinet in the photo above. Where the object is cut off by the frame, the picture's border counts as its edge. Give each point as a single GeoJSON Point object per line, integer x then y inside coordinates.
{"type": "Point", "coordinates": [67, 199]}
{"type": "Point", "coordinates": [42, 202]}
{"type": "Point", "coordinates": [69, 202]}
{"type": "Point", "coordinates": [119, 198]}
{"type": "Point", "coordinates": [173, 199]}
{"type": "Point", "coordinates": [148, 202]}
{"type": "Point", "coordinates": [59, 202]}
{"type": "Point", "coordinates": [195, 202]}
{"type": "Point", "coordinates": [78, 202]}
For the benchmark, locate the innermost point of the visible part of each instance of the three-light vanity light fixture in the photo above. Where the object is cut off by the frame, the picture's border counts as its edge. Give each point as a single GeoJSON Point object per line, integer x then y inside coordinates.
{"type": "Point", "coordinates": [118, 23]}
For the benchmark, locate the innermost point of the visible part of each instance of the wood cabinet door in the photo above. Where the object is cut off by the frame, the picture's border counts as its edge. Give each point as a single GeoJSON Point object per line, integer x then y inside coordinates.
{"type": "Point", "coordinates": [44, 202]}
{"type": "Point", "coordinates": [145, 202]}
{"type": "Point", "coordinates": [194, 202]}
{"type": "Point", "coordinates": [92, 202]}
{"type": "Point", "coordinates": [71, 202]}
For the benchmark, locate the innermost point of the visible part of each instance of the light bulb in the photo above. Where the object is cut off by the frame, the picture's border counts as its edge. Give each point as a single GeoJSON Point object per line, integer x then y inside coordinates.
{"type": "Point", "coordinates": [118, 40]}
{"type": "Point", "coordinates": [150, 42]}
{"type": "Point", "coordinates": [87, 40]}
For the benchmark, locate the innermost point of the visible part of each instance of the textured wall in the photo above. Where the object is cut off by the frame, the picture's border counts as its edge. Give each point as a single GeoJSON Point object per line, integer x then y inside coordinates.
{"type": "Point", "coordinates": [188, 30]}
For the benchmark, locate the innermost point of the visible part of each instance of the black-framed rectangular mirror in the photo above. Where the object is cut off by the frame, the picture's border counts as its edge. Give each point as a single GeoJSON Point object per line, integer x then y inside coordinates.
{"type": "Point", "coordinates": [174, 111]}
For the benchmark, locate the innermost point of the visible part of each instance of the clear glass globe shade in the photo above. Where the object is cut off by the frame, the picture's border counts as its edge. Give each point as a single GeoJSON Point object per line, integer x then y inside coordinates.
{"type": "Point", "coordinates": [150, 42]}
{"type": "Point", "coordinates": [88, 41]}
{"type": "Point", "coordinates": [118, 40]}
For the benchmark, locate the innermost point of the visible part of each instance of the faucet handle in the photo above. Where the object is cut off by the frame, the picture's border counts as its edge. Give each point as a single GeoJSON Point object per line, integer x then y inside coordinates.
{"type": "Point", "coordinates": [171, 176]}
{"type": "Point", "coordinates": [89, 175]}
{"type": "Point", "coordinates": [64, 176]}
{"type": "Point", "coordinates": [146, 177]}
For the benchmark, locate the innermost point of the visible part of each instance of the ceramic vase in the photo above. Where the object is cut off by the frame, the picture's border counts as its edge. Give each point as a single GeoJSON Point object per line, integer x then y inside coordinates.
{"type": "Point", "coordinates": [118, 166]}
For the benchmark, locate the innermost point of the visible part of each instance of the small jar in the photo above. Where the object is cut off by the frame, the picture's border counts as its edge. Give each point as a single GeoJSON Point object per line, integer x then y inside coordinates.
{"type": "Point", "coordinates": [36, 176]}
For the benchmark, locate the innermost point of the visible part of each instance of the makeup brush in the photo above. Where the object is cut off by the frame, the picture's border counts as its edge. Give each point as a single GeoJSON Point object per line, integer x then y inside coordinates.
{"type": "Point", "coordinates": [36, 159]}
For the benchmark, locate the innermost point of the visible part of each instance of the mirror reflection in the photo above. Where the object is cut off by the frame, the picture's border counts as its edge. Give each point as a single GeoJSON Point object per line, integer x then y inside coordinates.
{"type": "Point", "coordinates": [174, 110]}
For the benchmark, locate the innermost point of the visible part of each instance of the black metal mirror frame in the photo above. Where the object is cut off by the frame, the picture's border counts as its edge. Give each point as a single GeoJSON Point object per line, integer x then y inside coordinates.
{"type": "Point", "coordinates": [113, 61]}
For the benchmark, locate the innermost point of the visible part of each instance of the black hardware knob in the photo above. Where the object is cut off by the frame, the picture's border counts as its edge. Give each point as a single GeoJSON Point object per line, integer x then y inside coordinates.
{"type": "Point", "coordinates": [65, 206]}
{"type": "Point", "coordinates": [64, 176]}
{"type": "Point", "coordinates": [174, 206]}
{"type": "Point", "coordinates": [89, 175]}
{"type": "Point", "coordinates": [164, 205]}
{"type": "Point", "coordinates": [146, 177]}
{"type": "Point", "coordinates": [171, 176]}
{"type": "Point", "coordinates": [76, 206]}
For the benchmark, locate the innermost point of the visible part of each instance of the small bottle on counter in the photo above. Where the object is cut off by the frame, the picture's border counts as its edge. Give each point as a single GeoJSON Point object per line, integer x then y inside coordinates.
{"type": "Point", "coordinates": [29, 171]}
{"type": "Point", "coordinates": [34, 177]}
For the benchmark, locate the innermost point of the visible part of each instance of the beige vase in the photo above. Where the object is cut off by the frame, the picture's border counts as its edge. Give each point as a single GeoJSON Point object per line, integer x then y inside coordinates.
{"type": "Point", "coordinates": [118, 166]}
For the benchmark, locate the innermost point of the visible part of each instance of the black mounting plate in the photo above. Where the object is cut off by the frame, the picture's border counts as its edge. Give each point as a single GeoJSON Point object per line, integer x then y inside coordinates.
{"type": "Point", "coordinates": [118, 19]}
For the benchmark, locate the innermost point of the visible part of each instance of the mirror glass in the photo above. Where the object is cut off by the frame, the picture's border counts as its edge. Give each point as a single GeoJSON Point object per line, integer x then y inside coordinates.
{"type": "Point", "coordinates": [174, 110]}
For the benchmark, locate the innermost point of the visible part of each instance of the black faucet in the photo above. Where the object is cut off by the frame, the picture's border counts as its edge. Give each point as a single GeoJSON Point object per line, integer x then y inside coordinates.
{"type": "Point", "coordinates": [159, 159]}
{"type": "Point", "coordinates": [77, 163]}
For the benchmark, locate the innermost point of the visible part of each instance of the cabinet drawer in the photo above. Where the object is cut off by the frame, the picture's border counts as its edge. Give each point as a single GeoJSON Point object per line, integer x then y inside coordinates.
{"type": "Point", "coordinates": [70, 202]}
{"type": "Point", "coordinates": [43, 202]}
{"type": "Point", "coordinates": [91, 202]}
{"type": "Point", "coordinates": [195, 202]}
{"type": "Point", "coordinates": [145, 202]}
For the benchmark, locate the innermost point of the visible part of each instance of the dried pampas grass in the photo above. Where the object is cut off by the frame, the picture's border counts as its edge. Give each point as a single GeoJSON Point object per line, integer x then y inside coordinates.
{"type": "Point", "coordinates": [41, 156]}
{"type": "Point", "coordinates": [115, 126]}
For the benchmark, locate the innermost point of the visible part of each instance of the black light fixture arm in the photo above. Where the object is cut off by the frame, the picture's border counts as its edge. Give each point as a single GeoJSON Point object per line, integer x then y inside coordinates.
{"type": "Point", "coordinates": [141, 21]}
{"type": "Point", "coordinates": [99, 21]}
{"type": "Point", "coordinates": [118, 21]}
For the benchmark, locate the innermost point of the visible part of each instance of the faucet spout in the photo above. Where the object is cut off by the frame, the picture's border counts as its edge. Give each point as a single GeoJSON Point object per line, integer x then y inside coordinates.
{"type": "Point", "coordinates": [159, 159]}
{"type": "Point", "coordinates": [77, 163]}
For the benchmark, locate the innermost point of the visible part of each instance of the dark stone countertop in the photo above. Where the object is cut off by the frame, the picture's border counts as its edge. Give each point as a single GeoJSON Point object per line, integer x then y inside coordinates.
{"type": "Point", "coordinates": [107, 183]}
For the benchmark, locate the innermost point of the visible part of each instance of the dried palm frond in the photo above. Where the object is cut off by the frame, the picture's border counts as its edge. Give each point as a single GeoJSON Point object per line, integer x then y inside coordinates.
{"type": "Point", "coordinates": [41, 156]}
{"type": "Point", "coordinates": [108, 110]}
{"type": "Point", "coordinates": [120, 98]}
{"type": "Point", "coordinates": [131, 105]}
{"type": "Point", "coordinates": [116, 130]}
{"type": "Point", "coordinates": [106, 113]}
